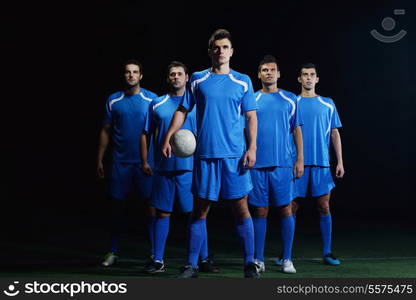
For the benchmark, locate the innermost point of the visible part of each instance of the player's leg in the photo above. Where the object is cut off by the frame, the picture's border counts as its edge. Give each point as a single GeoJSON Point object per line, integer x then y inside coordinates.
{"type": "Point", "coordinates": [300, 187]}
{"type": "Point", "coordinates": [287, 228]}
{"type": "Point", "coordinates": [144, 186]}
{"type": "Point", "coordinates": [196, 236]}
{"type": "Point", "coordinates": [185, 201]}
{"type": "Point", "coordinates": [258, 199]}
{"type": "Point", "coordinates": [161, 232]}
{"type": "Point", "coordinates": [205, 188]}
{"type": "Point", "coordinates": [120, 184]}
{"type": "Point", "coordinates": [150, 219]}
{"type": "Point", "coordinates": [236, 185]}
{"type": "Point", "coordinates": [321, 186]}
{"type": "Point", "coordinates": [245, 231]}
{"type": "Point", "coordinates": [162, 199]}
{"type": "Point", "coordinates": [260, 229]}
{"type": "Point", "coordinates": [282, 192]}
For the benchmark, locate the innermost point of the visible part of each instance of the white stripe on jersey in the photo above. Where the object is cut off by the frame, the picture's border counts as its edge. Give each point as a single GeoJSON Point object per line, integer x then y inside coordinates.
{"type": "Point", "coordinates": [244, 84]}
{"type": "Point", "coordinates": [291, 102]}
{"type": "Point", "coordinates": [115, 100]}
{"type": "Point", "coordinates": [145, 98]}
{"type": "Point", "coordinates": [332, 110]}
{"type": "Point", "coordinates": [161, 102]}
{"type": "Point", "coordinates": [258, 96]}
{"type": "Point", "coordinates": [194, 83]}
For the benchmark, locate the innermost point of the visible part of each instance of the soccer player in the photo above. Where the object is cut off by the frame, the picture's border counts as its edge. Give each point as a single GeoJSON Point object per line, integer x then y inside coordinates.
{"type": "Point", "coordinates": [274, 172]}
{"type": "Point", "coordinates": [221, 96]}
{"type": "Point", "coordinates": [321, 123]}
{"type": "Point", "coordinates": [124, 120]}
{"type": "Point", "coordinates": [173, 175]}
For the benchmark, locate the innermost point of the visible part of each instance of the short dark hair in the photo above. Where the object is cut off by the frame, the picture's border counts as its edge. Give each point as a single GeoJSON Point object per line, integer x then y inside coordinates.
{"type": "Point", "coordinates": [308, 66]}
{"type": "Point", "coordinates": [176, 63]}
{"type": "Point", "coordinates": [219, 34]}
{"type": "Point", "coordinates": [267, 59]}
{"type": "Point", "coordinates": [133, 61]}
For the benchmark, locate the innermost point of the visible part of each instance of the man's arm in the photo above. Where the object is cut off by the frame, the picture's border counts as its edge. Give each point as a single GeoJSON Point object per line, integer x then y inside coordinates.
{"type": "Point", "coordinates": [250, 155]}
{"type": "Point", "coordinates": [336, 141]}
{"type": "Point", "coordinates": [176, 124]}
{"type": "Point", "coordinates": [144, 149]}
{"type": "Point", "coordinates": [299, 167]}
{"type": "Point", "coordinates": [103, 142]}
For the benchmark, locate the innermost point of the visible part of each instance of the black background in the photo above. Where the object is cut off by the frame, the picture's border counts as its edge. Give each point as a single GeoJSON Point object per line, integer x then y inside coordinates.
{"type": "Point", "coordinates": [65, 60]}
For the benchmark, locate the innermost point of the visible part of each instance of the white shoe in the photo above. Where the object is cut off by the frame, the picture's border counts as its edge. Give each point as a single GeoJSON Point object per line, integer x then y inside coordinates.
{"type": "Point", "coordinates": [260, 265]}
{"type": "Point", "coordinates": [109, 259]}
{"type": "Point", "coordinates": [288, 267]}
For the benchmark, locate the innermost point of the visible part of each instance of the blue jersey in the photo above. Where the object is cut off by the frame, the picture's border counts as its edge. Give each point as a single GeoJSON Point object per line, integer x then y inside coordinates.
{"type": "Point", "coordinates": [127, 114]}
{"type": "Point", "coordinates": [320, 116]}
{"type": "Point", "coordinates": [158, 121]}
{"type": "Point", "coordinates": [221, 100]}
{"type": "Point", "coordinates": [277, 118]}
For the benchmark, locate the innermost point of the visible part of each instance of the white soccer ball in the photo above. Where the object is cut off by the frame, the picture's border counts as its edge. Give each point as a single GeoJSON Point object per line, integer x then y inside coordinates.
{"type": "Point", "coordinates": [183, 143]}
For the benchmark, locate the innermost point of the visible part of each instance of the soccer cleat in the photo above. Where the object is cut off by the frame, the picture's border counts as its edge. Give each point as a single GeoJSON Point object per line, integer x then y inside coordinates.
{"type": "Point", "coordinates": [279, 260]}
{"type": "Point", "coordinates": [208, 266]}
{"type": "Point", "coordinates": [287, 267]}
{"type": "Point", "coordinates": [149, 262]}
{"type": "Point", "coordinates": [109, 259]}
{"type": "Point", "coordinates": [251, 270]}
{"type": "Point", "coordinates": [260, 265]}
{"type": "Point", "coordinates": [188, 272]}
{"type": "Point", "coordinates": [330, 259]}
{"type": "Point", "coordinates": [154, 267]}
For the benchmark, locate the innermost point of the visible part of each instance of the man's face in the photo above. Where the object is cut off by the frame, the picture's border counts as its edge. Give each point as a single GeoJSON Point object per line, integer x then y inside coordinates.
{"type": "Point", "coordinates": [269, 74]}
{"type": "Point", "coordinates": [221, 51]}
{"type": "Point", "coordinates": [132, 75]}
{"type": "Point", "coordinates": [308, 78]}
{"type": "Point", "coordinates": [177, 77]}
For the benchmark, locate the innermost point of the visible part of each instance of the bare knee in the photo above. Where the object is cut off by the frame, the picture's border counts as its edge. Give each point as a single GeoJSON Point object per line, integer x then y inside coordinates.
{"type": "Point", "coordinates": [323, 205]}
{"type": "Point", "coordinates": [201, 208]}
{"type": "Point", "coordinates": [295, 206]}
{"type": "Point", "coordinates": [285, 211]}
{"type": "Point", "coordinates": [162, 214]}
{"type": "Point", "coordinates": [240, 208]}
{"type": "Point", "coordinates": [260, 212]}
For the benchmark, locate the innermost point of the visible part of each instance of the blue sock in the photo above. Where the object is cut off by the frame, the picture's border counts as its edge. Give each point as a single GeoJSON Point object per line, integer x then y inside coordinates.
{"type": "Point", "coordinates": [260, 228]}
{"type": "Point", "coordinates": [326, 232]}
{"type": "Point", "coordinates": [294, 217]}
{"type": "Point", "coordinates": [287, 229]}
{"type": "Point", "coordinates": [245, 231]}
{"type": "Point", "coordinates": [203, 253]}
{"type": "Point", "coordinates": [195, 240]}
{"type": "Point", "coordinates": [150, 228]}
{"type": "Point", "coordinates": [161, 234]}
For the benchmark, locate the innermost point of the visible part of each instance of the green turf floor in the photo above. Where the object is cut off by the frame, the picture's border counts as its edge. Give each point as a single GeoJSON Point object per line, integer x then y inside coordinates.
{"type": "Point", "coordinates": [75, 249]}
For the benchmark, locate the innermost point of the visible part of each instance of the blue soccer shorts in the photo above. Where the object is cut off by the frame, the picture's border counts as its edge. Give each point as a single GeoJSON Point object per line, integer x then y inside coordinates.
{"type": "Point", "coordinates": [171, 186]}
{"type": "Point", "coordinates": [125, 176]}
{"type": "Point", "coordinates": [316, 181]}
{"type": "Point", "coordinates": [221, 177]}
{"type": "Point", "coordinates": [272, 186]}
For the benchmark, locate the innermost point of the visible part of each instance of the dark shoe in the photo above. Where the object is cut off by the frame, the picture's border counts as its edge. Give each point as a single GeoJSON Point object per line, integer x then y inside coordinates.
{"type": "Point", "coordinates": [251, 270]}
{"type": "Point", "coordinates": [188, 272]}
{"type": "Point", "coordinates": [149, 262]}
{"type": "Point", "coordinates": [154, 267]}
{"type": "Point", "coordinates": [208, 266]}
